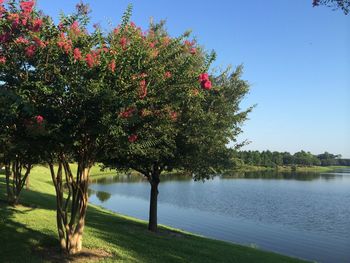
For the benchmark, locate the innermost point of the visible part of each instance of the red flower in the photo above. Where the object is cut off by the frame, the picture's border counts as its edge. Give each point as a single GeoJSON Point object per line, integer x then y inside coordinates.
{"type": "Point", "coordinates": [143, 89]}
{"type": "Point", "coordinates": [75, 28]}
{"type": "Point", "coordinates": [24, 21]}
{"type": "Point", "coordinates": [152, 45]}
{"type": "Point", "coordinates": [2, 60]}
{"type": "Point", "coordinates": [30, 51]}
{"type": "Point", "coordinates": [39, 42]}
{"type": "Point", "coordinates": [193, 51]}
{"type": "Point", "coordinates": [89, 60]}
{"type": "Point", "coordinates": [123, 42]}
{"type": "Point", "coordinates": [22, 40]}
{"type": "Point", "coordinates": [112, 65]}
{"type": "Point", "coordinates": [1, 2]}
{"type": "Point", "coordinates": [167, 74]}
{"type": "Point", "coordinates": [127, 113]}
{"type": "Point", "coordinates": [39, 119]}
{"type": "Point", "coordinates": [27, 7]}
{"type": "Point", "coordinates": [204, 80]}
{"type": "Point", "coordinates": [14, 18]}
{"type": "Point", "coordinates": [132, 138]}
{"type": "Point", "coordinates": [173, 115]}
{"type": "Point", "coordinates": [37, 23]}
{"type": "Point", "coordinates": [203, 77]}
{"type": "Point", "coordinates": [206, 84]}
{"type": "Point", "coordinates": [77, 54]}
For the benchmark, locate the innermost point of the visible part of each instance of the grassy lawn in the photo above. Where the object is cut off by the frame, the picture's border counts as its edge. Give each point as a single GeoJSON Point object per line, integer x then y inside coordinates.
{"type": "Point", "coordinates": [30, 228]}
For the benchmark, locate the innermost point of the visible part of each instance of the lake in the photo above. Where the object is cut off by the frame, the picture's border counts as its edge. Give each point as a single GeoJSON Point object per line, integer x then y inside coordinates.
{"type": "Point", "coordinates": [305, 215]}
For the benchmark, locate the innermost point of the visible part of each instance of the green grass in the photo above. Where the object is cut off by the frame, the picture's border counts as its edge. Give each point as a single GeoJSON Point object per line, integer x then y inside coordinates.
{"type": "Point", "coordinates": [32, 225]}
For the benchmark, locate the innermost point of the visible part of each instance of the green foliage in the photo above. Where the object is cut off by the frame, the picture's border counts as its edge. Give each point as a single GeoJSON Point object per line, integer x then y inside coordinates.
{"type": "Point", "coordinates": [302, 158]}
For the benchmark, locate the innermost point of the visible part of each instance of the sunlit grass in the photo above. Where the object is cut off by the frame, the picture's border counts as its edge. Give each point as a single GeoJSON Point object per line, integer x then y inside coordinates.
{"type": "Point", "coordinates": [32, 225]}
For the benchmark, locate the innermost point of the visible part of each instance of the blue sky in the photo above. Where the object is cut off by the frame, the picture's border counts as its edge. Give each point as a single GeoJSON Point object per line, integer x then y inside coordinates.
{"type": "Point", "coordinates": [296, 58]}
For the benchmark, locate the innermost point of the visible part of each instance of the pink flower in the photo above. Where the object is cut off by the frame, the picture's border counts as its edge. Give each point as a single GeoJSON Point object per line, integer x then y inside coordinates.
{"type": "Point", "coordinates": [203, 76]}
{"type": "Point", "coordinates": [39, 119]}
{"type": "Point", "coordinates": [30, 51]}
{"type": "Point", "coordinates": [60, 26]}
{"type": "Point", "coordinates": [189, 43]}
{"type": "Point", "coordinates": [27, 7]}
{"type": "Point", "coordinates": [89, 60]}
{"type": "Point", "coordinates": [143, 89]}
{"type": "Point", "coordinates": [112, 65]}
{"type": "Point", "coordinates": [75, 28]}
{"type": "Point", "coordinates": [204, 80]}
{"type": "Point", "coordinates": [173, 115]}
{"type": "Point", "coordinates": [152, 45]}
{"type": "Point", "coordinates": [132, 138]}
{"type": "Point", "coordinates": [14, 18]}
{"type": "Point", "coordinates": [206, 84]}
{"type": "Point", "coordinates": [77, 54]}
{"type": "Point", "coordinates": [127, 113]}
{"type": "Point", "coordinates": [37, 23]}
{"type": "Point", "coordinates": [38, 42]}
{"type": "Point", "coordinates": [123, 42]}
{"type": "Point", "coordinates": [167, 74]}
{"type": "Point", "coordinates": [193, 51]}
{"type": "Point", "coordinates": [24, 21]}
{"type": "Point", "coordinates": [22, 40]}
{"type": "Point", "coordinates": [1, 2]}
{"type": "Point", "coordinates": [2, 60]}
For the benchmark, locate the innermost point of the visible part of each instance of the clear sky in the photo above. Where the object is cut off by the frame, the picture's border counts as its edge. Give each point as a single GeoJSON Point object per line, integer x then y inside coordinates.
{"type": "Point", "coordinates": [296, 58]}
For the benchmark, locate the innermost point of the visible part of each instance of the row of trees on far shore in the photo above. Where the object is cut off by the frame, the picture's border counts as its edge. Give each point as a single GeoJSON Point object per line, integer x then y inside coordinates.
{"type": "Point", "coordinates": [302, 158]}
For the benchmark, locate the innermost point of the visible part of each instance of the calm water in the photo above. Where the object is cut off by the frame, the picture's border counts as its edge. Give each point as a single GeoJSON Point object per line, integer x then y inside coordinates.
{"type": "Point", "coordinates": [302, 215]}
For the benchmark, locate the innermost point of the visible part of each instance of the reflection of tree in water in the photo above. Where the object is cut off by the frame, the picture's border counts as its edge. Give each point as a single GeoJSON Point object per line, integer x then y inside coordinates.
{"type": "Point", "coordinates": [103, 196]}
{"type": "Point", "coordinates": [299, 176]}
{"type": "Point", "coordinates": [91, 192]}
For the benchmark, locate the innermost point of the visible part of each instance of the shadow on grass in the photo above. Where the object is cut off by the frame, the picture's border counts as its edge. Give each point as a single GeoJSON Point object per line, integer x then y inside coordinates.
{"type": "Point", "coordinates": [19, 241]}
{"type": "Point", "coordinates": [30, 198]}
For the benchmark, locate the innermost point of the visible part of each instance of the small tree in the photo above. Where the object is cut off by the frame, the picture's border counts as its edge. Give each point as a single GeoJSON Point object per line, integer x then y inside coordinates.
{"type": "Point", "coordinates": [182, 122]}
{"type": "Point", "coordinates": [20, 37]}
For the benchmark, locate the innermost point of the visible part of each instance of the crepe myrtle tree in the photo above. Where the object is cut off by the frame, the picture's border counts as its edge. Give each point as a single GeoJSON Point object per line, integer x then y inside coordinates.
{"type": "Point", "coordinates": [92, 83]}
{"type": "Point", "coordinates": [179, 123]}
{"type": "Point", "coordinates": [21, 43]}
{"type": "Point", "coordinates": [73, 99]}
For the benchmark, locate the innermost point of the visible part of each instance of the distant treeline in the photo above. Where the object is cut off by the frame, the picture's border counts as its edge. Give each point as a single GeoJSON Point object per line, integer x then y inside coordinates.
{"type": "Point", "coordinates": [272, 159]}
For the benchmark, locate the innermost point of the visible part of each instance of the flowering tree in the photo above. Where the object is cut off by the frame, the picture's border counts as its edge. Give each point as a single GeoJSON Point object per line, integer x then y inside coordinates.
{"type": "Point", "coordinates": [184, 121]}
{"type": "Point", "coordinates": [20, 37]}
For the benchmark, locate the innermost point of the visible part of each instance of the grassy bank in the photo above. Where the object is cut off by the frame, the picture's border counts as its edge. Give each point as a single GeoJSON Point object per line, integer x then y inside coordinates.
{"type": "Point", "coordinates": [29, 230]}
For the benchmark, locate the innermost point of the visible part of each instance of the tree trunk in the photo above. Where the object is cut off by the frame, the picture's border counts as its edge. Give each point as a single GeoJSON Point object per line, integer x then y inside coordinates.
{"type": "Point", "coordinates": [27, 183]}
{"type": "Point", "coordinates": [154, 181]}
{"type": "Point", "coordinates": [8, 187]}
{"type": "Point", "coordinates": [71, 204]}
